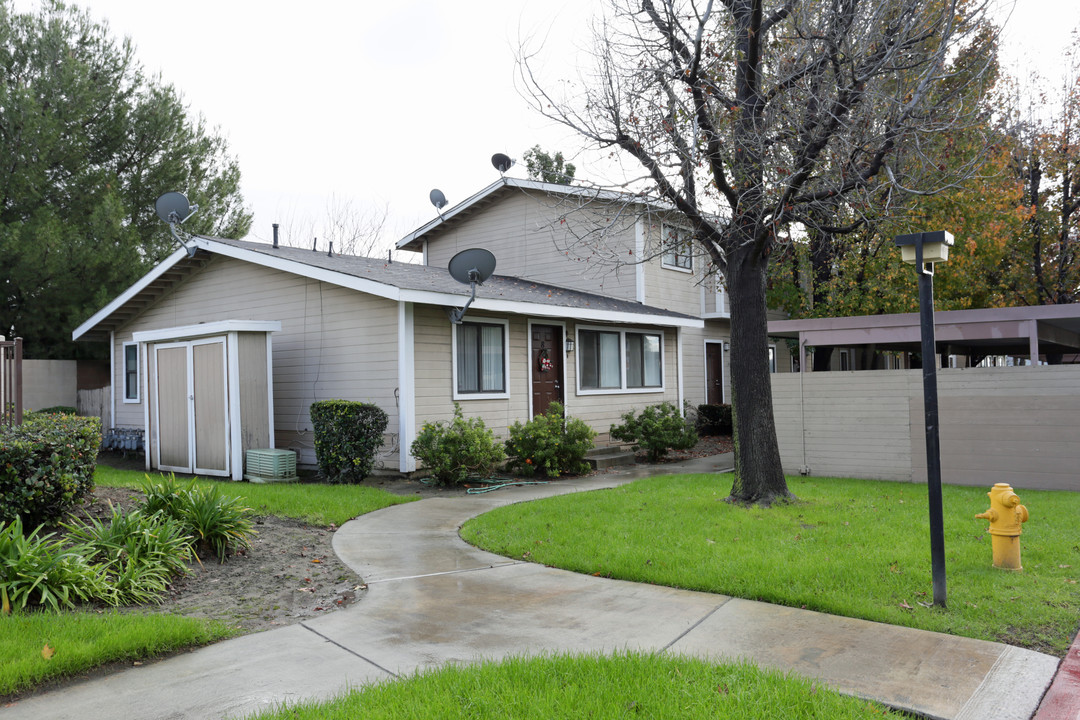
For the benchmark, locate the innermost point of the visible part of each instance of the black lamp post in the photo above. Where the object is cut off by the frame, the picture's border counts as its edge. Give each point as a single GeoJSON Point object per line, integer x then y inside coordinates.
{"type": "Point", "coordinates": [925, 249]}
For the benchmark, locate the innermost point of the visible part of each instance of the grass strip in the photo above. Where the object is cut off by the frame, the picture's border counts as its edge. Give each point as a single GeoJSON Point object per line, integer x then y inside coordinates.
{"type": "Point", "coordinates": [592, 686]}
{"type": "Point", "coordinates": [37, 647]}
{"type": "Point", "coordinates": [312, 503]}
{"type": "Point", "coordinates": [857, 548]}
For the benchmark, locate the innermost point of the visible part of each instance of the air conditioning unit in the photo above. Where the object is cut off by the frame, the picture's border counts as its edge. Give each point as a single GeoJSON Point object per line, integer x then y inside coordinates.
{"type": "Point", "coordinates": [270, 466]}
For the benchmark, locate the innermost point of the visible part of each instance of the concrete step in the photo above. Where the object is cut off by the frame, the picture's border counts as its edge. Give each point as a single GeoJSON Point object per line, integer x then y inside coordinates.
{"type": "Point", "coordinates": [606, 457]}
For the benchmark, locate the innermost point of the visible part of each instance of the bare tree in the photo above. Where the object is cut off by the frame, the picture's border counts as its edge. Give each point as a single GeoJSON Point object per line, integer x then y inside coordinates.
{"type": "Point", "coordinates": [748, 120]}
{"type": "Point", "coordinates": [353, 230]}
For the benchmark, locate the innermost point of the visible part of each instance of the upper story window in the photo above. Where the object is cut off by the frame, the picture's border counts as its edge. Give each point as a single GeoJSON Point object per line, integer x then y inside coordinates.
{"type": "Point", "coordinates": [131, 372]}
{"type": "Point", "coordinates": [480, 359]}
{"type": "Point", "coordinates": [678, 249]}
{"type": "Point", "coordinates": [723, 307]}
{"type": "Point", "coordinates": [620, 360]}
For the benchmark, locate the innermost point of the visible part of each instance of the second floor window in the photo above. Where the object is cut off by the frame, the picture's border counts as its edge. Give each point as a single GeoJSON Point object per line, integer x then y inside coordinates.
{"type": "Point", "coordinates": [678, 248]}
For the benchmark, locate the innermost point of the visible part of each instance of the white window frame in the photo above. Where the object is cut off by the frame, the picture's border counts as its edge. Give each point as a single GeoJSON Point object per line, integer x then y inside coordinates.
{"type": "Point", "coordinates": [721, 306]}
{"type": "Point", "coordinates": [622, 333]}
{"type": "Point", "coordinates": [670, 256]}
{"type": "Point", "coordinates": [124, 374]}
{"type": "Point", "coordinates": [505, 394]}
{"type": "Point", "coordinates": [845, 359]}
{"type": "Point", "coordinates": [772, 359]}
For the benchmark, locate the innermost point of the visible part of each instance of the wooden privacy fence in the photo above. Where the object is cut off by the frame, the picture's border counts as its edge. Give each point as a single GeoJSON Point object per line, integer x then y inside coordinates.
{"type": "Point", "coordinates": [1018, 425]}
{"type": "Point", "coordinates": [10, 382]}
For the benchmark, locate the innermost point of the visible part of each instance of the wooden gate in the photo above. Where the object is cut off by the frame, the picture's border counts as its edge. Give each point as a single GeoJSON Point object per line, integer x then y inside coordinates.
{"type": "Point", "coordinates": [11, 402]}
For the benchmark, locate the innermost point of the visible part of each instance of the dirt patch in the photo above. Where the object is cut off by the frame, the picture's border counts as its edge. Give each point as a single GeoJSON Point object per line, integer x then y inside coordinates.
{"type": "Point", "coordinates": [705, 447]}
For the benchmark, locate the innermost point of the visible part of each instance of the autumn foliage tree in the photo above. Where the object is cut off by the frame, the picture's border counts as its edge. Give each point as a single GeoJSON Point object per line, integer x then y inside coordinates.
{"type": "Point", "coordinates": [750, 118]}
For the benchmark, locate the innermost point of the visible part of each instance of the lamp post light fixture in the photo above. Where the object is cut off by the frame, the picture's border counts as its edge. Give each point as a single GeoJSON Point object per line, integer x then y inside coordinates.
{"type": "Point", "coordinates": [923, 250]}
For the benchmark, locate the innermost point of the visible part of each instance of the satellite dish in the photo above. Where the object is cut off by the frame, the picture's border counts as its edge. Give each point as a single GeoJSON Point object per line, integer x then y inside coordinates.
{"type": "Point", "coordinates": [470, 267]}
{"type": "Point", "coordinates": [502, 162]}
{"type": "Point", "coordinates": [173, 207]}
{"type": "Point", "coordinates": [474, 265]}
{"type": "Point", "coordinates": [437, 199]}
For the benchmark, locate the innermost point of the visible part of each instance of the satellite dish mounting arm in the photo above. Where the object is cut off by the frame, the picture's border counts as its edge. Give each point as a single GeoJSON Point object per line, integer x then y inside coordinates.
{"type": "Point", "coordinates": [458, 314]}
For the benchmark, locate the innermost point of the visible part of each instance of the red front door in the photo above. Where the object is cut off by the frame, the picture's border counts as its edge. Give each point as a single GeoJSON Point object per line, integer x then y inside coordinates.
{"type": "Point", "coordinates": [547, 369]}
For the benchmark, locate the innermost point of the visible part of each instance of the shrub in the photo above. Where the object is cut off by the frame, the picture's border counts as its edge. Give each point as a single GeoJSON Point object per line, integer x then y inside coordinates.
{"type": "Point", "coordinates": [58, 410]}
{"type": "Point", "coordinates": [138, 552]}
{"type": "Point", "coordinates": [347, 435]}
{"type": "Point", "coordinates": [550, 443]}
{"type": "Point", "coordinates": [458, 450]}
{"type": "Point", "coordinates": [36, 570]}
{"type": "Point", "coordinates": [658, 429]}
{"type": "Point", "coordinates": [714, 419]}
{"type": "Point", "coordinates": [215, 523]}
{"type": "Point", "coordinates": [46, 466]}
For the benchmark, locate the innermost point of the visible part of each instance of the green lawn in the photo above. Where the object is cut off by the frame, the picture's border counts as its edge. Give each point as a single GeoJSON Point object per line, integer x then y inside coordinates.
{"type": "Point", "coordinates": [83, 640]}
{"type": "Point", "coordinates": [313, 503]}
{"type": "Point", "coordinates": [571, 687]}
{"type": "Point", "coordinates": [857, 548]}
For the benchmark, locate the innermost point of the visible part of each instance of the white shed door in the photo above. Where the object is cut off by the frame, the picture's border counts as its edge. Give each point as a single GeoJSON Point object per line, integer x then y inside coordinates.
{"type": "Point", "coordinates": [192, 407]}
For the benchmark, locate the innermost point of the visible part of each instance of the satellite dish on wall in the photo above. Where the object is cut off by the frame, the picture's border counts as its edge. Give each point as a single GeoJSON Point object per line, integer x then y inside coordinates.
{"type": "Point", "coordinates": [174, 208]}
{"type": "Point", "coordinates": [470, 267]}
{"type": "Point", "coordinates": [437, 199]}
{"type": "Point", "coordinates": [502, 162]}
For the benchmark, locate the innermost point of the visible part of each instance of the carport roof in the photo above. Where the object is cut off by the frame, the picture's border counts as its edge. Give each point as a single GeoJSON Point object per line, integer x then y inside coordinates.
{"type": "Point", "coordinates": [1022, 331]}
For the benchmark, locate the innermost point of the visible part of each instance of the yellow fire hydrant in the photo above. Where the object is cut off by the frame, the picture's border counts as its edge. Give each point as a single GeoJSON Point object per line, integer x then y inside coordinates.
{"type": "Point", "coordinates": [1005, 515]}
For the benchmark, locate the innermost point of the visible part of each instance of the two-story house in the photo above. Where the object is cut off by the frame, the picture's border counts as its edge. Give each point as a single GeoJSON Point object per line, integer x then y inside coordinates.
{"type": "Point", "coordinates": [224, 345]}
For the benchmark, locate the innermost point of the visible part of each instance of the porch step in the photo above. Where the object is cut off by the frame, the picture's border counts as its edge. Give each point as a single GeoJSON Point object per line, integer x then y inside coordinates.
{"type": "Point", "coordinates": [605, 457]}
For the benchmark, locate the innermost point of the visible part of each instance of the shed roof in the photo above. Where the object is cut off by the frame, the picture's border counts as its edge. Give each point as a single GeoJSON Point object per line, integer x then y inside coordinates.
{"type": "Point", "coordinates": [393, 280]}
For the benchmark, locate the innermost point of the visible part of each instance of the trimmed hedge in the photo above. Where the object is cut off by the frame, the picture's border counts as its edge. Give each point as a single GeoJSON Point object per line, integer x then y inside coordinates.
{"type": "Point", "coordinates": [347, 436]}
{"type": "Point", "coordinates": [46, 466]}
{"type": "Point", "coordinates": [714, 419]}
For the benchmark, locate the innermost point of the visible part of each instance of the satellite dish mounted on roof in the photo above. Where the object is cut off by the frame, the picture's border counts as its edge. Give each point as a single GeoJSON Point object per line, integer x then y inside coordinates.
{"type": "Point", "coordinates": [438, 200]}
{"type": "Point", "coordinates": [502, 162]}
{"type": "Point", "coordinates": [174, 208]}
{"type": "Point", "coordinates": [470, 267]}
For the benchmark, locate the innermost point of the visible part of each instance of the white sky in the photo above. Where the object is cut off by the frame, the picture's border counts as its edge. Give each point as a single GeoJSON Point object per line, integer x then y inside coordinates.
{"type": "Point", "coordinates": [378, 103]}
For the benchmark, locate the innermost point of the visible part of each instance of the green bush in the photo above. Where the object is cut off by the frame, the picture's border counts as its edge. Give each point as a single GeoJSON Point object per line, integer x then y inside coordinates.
{"type": "Point", "coordinates": [459, 450]}
{"type": "Point", "coordinates": [714, 419]}
{"type": "Point", "coordinates": [58, 410]}
{"type": "Point", "coordinates": [216, 524]}
{"type": "Point", "coordinates": [36, 570]}
{"type": "Point", "coordinates": [46, 466]}
{"type": "Point", "coordinates": [550, 443]}
{"type": "Point", "coordinates": [658, 429]}
{"type": "Point", "coordinates": [347, 436]}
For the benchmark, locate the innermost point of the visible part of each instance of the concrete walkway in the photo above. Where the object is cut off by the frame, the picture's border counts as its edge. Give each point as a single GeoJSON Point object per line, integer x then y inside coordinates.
{"type": "Point", "coordinates": [433, 599]}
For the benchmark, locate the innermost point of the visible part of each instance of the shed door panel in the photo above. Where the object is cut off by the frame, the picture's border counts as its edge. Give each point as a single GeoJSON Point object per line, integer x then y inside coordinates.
{"type": "Point", "coordinates": [172, 394]}
{"type": "Point", "coordinates": [211, 423]}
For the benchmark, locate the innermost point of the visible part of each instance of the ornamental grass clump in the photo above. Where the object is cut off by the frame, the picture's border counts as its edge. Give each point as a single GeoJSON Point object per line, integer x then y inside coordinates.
{"type": "Point", "coordinates": [347, 436]}
{"type": "Point", "coordinates": [38, 571]}
{"type": "Point", "coordinates": [459, 450]}
{"type": "Point", "coordinates": [215, 523]}
{"type": "Point", "coordinates": [550, 443]}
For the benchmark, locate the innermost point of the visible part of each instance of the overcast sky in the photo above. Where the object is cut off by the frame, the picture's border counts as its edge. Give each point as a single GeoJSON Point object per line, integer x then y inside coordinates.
{"type": "Point", "coordinates": [378, 103]}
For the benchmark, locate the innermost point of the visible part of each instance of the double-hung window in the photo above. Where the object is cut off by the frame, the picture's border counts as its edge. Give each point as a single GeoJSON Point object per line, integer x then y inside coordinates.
{"type": "Point", "coordinates": [131, 372]}
{"type": "Point", "coordinates": [480, 358]}
{"type": "Point", "coordinates": [619, 360]}
{"type": "Point", "coordinates": [678, 249]}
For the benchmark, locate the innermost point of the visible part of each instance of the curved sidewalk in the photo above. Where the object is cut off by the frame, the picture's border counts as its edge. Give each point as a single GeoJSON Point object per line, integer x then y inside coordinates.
{"type": "Point", "coordinates": [434, 599]}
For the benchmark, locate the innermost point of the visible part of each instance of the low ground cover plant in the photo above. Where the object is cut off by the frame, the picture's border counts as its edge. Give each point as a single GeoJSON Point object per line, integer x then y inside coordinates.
{"type": "Point", "coordinates": [551, 444]}
{"type": "Point", "coordinates": [566, 687]}
{"type": "Point", "coordinates": [857, 548]}
{"type": "Point", "coordinates": [659, 429]}
{"type": "Point", "coordinates": [214, 523]}
{"type": "Point", "coordinates": [462, 449]}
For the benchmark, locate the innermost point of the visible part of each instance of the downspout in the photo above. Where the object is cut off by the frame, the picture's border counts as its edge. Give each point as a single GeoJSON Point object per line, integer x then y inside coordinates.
{"type": "Point", "coordinates": [112, 380]}
{"type": "Point", "coordinates": [804, 469]}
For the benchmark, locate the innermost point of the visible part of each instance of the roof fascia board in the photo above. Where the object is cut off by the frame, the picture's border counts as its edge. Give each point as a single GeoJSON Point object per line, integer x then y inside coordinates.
{"type": "Point", "coordinates": [345, 280]}
{"type": "Point", "coordinates": [160, 269]}
{"type": "Point", "coordinates": [205, 329]}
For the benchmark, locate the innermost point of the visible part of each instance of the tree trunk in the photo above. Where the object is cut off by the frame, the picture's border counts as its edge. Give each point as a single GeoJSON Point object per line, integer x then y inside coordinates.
{"type": "Point", "coordinates": [759, 476]}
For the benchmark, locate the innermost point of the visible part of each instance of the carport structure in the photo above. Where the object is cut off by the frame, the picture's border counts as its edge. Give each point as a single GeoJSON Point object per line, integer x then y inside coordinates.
{"type": "Point", "coordinates": [1047, 331]}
